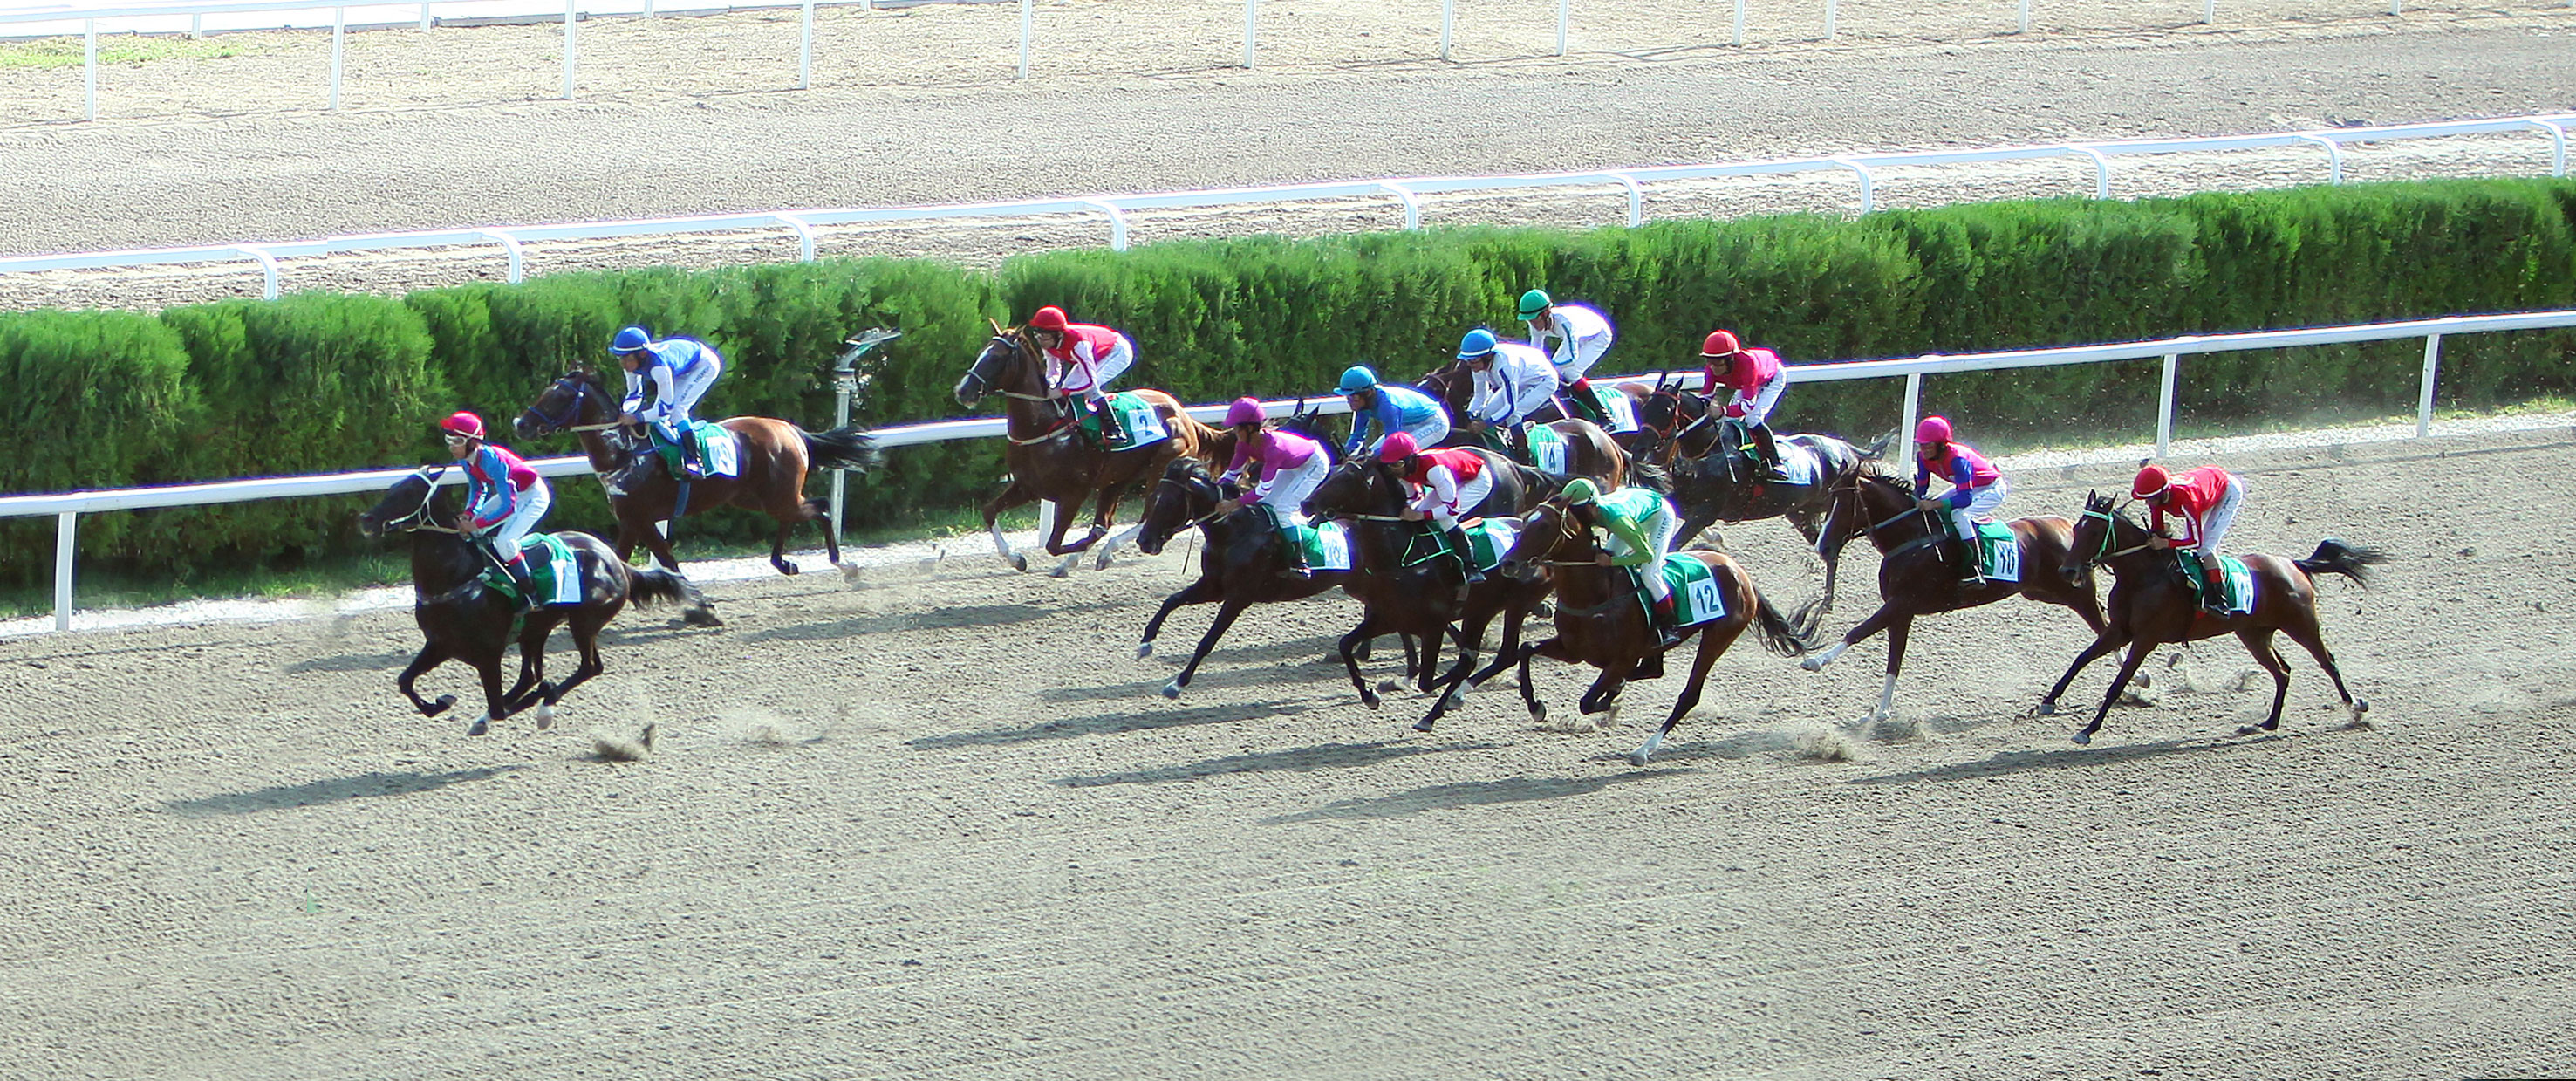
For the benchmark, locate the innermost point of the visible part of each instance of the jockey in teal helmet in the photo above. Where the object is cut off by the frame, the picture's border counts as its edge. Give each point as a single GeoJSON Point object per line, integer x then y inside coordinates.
{"type": "Point", "coordinates": [1388, 410]}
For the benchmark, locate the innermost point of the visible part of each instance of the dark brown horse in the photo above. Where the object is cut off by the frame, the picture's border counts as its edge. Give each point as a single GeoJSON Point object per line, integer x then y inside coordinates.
{"type": "Point", "coordinates": [773, 457]}
{"type": "Point", "coordinates": [1406, 585]}
{"type": "Point", "coordinates": [1589, 451]}
{"type": "Point", "coordinates": [461, 619]}
{"type": "Point", "coordinates": [1601, 622]}
{"type": "Point", "coordinates": [2152, 604]}
{"type": "Point", "coordinates": [1915, 575]}
{"type": "Point", "coordinates": [1051, 459]}
{"type": "Point", "coordinates": [1244, 563]}
{"type": "Point", "coordinates": [1711, 481]}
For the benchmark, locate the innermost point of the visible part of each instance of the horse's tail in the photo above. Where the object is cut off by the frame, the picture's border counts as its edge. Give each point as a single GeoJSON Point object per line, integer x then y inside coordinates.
{"type": "Point", "coordinates": [1203, 437]}
{"type": "Point", "coordinates": [658, 586]}
{"type": "Point", "coordinates": [1779, 635]}
{"type": "Point", "coordinates": [848, 447]}
{"type": "Point", "coordinates": [2336, 557]}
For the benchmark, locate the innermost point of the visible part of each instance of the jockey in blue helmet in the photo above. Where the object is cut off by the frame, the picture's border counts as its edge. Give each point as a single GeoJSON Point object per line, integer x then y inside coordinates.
{"type": "Point", "coordinates": [1389, 410]}
{"type": "Point", "coordinates": [674, 373]}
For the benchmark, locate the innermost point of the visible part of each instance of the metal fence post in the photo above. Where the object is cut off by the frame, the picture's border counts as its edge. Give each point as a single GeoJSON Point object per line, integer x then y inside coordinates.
{"type": "Point", "coordinates": [1832, 10]}
{"type": "Point", "coordinates": [1905, 427]}
{"type": "Point", "coordinates": [2024, 25]}
{"type": "Point", "coordinates": [1448, 16]}
{"type": "Point", "coordinates": [1024, 38]}
{"type": "Point", "coordinates": [1560, 25]}
{"type": "Point", "coordinates": [2209, 13]}
{"type": "Point", "coordinates": [2165, 404]}
{"type": "Point", "coordinates": [2424, 397]}
{"type": "Point", "coordinates": [1249, 6]}
{"type": "Point", "coordinates": [339, 45]}
{"type": "Point", "coordinates": [805, 50]}
{"type": "Point", "coordinates": [424, 15]}
{"type": "Point", "coordinates": [89, 71]}
{"type": "Point", "coordinates": [63, 533]}
{"type": "Point", "coordinates": [1739, 22]}
{"type": "Point", "coordinates": [568, 48]}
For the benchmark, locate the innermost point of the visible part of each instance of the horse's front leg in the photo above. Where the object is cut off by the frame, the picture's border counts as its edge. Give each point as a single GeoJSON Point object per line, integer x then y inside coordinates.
{"type": "Point", "coordinates": [649, 532]}
{"type": "Point", "coordinates": [532, 664]}
{"type": "Point", "coordinates": [1207, 590]}
{"type": "Point", "coordinates": [1877, 621]}
{"type": "Point", "coordinates": [2100, 647]}
{"type": "Point", "coordinates": [778, 548]}
{"type": "Point", "coordinates": [1012, 495]}
{"type": "Point", "coordinates": [1712, 645]}
{"type": "Point", "coordinates": [1225, 614]}
{"type": "Point", "coordinates": [1350, 644]}
{"type": "Point", "coordinates": [431, 656]}
{"type": "Point", "coordinates": [1603, 697]}
{"type": "Point", "coordinates": [497, 705]}
{"type": "Point", "coordinates": [2138, 651]}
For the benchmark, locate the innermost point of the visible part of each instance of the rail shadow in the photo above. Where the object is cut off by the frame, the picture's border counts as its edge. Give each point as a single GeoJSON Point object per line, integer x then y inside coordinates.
{"type": "Point", "coordinates": [973, 615]}
{"type": "Point", "coordinates": [2068, 758]}
{"type": "Point", "coordinates": [332, 790]}
{"type": "Point", "coordinates": [1299, 760]}
{"type": "Point", "coordinates": [1108, 724]}
{"type": "Point", "coordinates": [1469, 794]}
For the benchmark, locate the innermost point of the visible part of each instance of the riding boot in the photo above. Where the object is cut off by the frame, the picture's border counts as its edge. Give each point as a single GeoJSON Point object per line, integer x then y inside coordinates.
{"type": "Point", "coordinates": [522, 580]}
{"type": "Point", "coordinates": [1113, 435]}
{"type": "Point", "coordinates": [1579, 395]}
{"type": "Point", "coordinates": [1466, 555]}
{"type": "Point", "coordinates": [2213, 594]}
{"type": "Point", "coordinates": [1970, 574]}
{"type": "Point", "coordinates": [1661, 616]}
{"type": "Point", "coordinates": [1769, 449]}
{"type": "Point", "coordinates": [692, 457]}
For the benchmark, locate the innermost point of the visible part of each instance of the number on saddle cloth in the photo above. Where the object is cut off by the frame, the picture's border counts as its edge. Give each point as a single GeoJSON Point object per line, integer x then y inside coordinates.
{"type": "Point", "coordinates": [1696, 596]}
{"type": "Point", "coordinates": [1136, 416]}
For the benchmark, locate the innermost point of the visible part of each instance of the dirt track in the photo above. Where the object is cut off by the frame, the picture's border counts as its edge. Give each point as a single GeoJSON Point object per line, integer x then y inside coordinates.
{"type": "Point", "coordinates": [942, 827]}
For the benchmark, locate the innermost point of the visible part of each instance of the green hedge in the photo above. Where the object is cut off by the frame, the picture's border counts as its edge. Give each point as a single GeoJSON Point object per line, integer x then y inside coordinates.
{"type": "Point", "coordinates": [315, 382]}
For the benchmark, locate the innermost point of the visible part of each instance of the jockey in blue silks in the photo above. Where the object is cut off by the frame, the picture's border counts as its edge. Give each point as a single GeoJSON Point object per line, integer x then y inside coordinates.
{"type": "Point", "coordinates": [674, 373]}
{"type": "Point", "coordinates": [1389, 410]}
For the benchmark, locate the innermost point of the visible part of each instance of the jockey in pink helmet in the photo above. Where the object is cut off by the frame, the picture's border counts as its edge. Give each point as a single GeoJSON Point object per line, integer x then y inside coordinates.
{"type": "Point", "coordinates": [2204, 501]}
{"type": "Point", "coordinates": [1288, 467]}
{"type": "Point", "coordinates": [1443, 485]}
{"type": "Point", "coordinates": [1976, 487]}
{"type": "Point", "coordinates": [504, 499]}
{"type": "Point", "coordinates": [1081, 359]}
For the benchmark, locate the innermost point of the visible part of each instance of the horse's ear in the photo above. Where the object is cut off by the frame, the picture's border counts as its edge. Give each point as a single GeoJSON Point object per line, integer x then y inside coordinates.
{"type": "Point", "coordinates": [997, 325]}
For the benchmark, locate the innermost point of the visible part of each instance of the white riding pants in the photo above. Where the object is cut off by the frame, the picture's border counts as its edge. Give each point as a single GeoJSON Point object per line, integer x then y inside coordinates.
{"type": "Point", "coordinates": [533, 504]}
{"type": "Point", "coordinates": [669, 417]}
{"type": "Point", "coordinates": [1288, 489]}
{"type": "Point", "coordinates": [2214, 527]}
{"type": "Point", "coordinates": [1984, 502]}
{"type": "Point", "coordinates": [1758, 410]}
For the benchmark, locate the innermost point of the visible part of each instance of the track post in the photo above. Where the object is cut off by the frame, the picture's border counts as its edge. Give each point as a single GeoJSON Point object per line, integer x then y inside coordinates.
{"type": "Point", "coordinates": [2424, 397]}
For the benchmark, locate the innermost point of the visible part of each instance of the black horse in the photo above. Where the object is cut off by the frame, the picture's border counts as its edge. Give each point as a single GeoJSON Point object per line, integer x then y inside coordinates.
{"type": "Point", "coordinates": [1245, 562]}
{"type": "Point", "coordinates": [464, 620]}
{"type": "Point", "coordinates": [2152, 603]}
{"type": "Point", "coordinates": [1406, 586]}
{"type": "Point", "coordinates": [1698, 459]}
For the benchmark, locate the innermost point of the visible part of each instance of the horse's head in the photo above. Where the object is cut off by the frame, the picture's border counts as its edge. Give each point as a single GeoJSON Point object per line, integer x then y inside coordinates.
{"type": "Point", "coordinates": [1450, 384]}
{"type": "Point", "coordinates": [1185, 496]}
{"type": "Point", "coordinates": [1308, 421]}
{"type": "Point", "coordinates": [577, 397]}
{"type": "Point", "coordinates": [1855, 504]}
{"type": "Point", "coordinates": [1550, 533]}
{"type": "Point", "coordinates": [1357, 487]}
{"type": "Point", "coordinates": [1009, 358]}
{"type": "Point", "coordinates": [411, 503]}
{"type": "Point", "coordinates": [2096, 531]}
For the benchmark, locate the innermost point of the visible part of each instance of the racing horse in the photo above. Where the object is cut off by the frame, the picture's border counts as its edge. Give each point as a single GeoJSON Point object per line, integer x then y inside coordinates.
{"type": "Point", "coordinates": [1050, 458]}
{"type": "Point", "coordinates": [1915, 576]}
{"type": "Point", "coordinates": [2152, 604]}
{"type": "Point", "coordinates": [1244, 563]}
{"type": "Point", "coordinates": [1406, 583]}
{"type": "Point", "coordinates": [462, 619]}
{"type": "Point", "coordinates": [1589, 450]}
{"type": "Point", "coordinates": [769, 477]}
{"type": "Point", "coordinates": [1601, 621]}
{"type": "Point", "coordinates": [1711, 480]}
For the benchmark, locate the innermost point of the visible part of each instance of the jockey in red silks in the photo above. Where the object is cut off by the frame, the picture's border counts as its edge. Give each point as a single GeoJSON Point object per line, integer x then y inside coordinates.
{"type": "Point", "coordinates": [1443, 485]}
{"type": "Point", "coordinates": [1081, 359]}
{"type": "Point", "coordinates": [2204, 500]}
{"type": "Point", "coordinates": [1976, 487]}
{"type": "Point", "coordinates": [1752, 380]}
{"type": "Point", "coordinates": [1291, 465]}
{"type": "Point", "coordinates": [504, 499]}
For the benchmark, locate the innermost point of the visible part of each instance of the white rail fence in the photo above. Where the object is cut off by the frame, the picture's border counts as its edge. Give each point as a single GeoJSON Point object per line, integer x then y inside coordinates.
{"type": "Point", "coordinates": [67, 507]}
{"type": "Point", "coordinates": [61, 19]}
{"type": "Point", "coordinates": [1404, 193]}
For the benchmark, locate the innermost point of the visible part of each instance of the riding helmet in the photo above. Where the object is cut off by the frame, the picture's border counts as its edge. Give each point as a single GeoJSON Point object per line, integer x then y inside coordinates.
{"type": "Point", "coordinates": [1397, 447]}
{"type": "Point", "coordinates": [464, 424]}
{"type": "Point", "coordinates": [1478, 343]}
{"type": "Point", "coordinates": [1357, 378]}
{"type": "Point", "coordinates": [1047, 318]}
{"type": "Point", "coordinates": [1933, 430]}
{"type": "Point", "coordinates": [1243, 411]}
{"type": "Point", "coordinates": [2152, 482]}
{"type": "Point", "coordinates": [1535, 303]}
{"type": "Point", "coordinates": [1580, 491]}
{"type": "Point", "coordinates": [1721, 344]}
{"type": "Point", "coordinates": [630, 340]}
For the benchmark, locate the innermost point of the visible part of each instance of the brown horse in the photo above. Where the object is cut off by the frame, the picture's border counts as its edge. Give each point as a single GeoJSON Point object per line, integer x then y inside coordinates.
{"type": "Point", "coordinates": [769, 476]}
{"type": "Point", "coordinates": [1589, 450]}
{"type": "Point", "coordinates": [1914, 572]}
{"type": "Point", "coordinates": [1051, 459]}
{"type": "Point", "coordinates": [2152, 604]}
{"type": "Point", "coordinates": [1601, 622]}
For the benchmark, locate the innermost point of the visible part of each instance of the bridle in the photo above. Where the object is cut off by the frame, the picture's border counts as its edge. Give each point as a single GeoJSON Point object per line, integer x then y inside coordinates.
{"type": "Point", "coordinates": [418, 519]}
{"type": "Point", "coordinates": [582, 391]}
{"type": "Point", "coordinates": [984, 386]}
{"type": "Point", "coordinates": [1195, 484]}
{"type": "Point", "coordinates": [1356, 516]}
{"type": "Point", "coordinates": [2110, 528]}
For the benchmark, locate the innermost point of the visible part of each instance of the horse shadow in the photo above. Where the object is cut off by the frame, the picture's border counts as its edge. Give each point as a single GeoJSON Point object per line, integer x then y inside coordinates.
{"type": "Point", "coordinates": [973, 615]}
{"type": "Point", "coordinates": [2006, 762]}
{"type": "Point", "coordinates": [1298, 760]}
{"type": "Point", "coordinates": [1109, 724]}
{"type": "Point", "coordinates": [1469, 794]}
{"type": "Point", "coordinates": [352, 662]}
{"type": "Point", "coordinates": [332, 790]}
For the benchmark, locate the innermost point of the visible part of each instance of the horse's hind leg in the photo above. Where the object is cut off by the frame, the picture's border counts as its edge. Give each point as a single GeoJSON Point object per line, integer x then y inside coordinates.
{"type": "Point", "coordinates": [2259, 643]}
{"type": "Point", "coordinates": [431, 656]}
{"type": "Point", "coordinates": [585, 637]}
{"type": "Point", "coordinates": [778, 548]}
{"type": "Point", "coordinates": [1712, 645]}
{"type": "Point", "coordinates": [1350, 644]}
{"type": "Point", "coordinates": [1204, 591]}
{"type": "Point", "coordinates": [2314, 642]}
{"type": "Point", "coordinates": [532, 662]}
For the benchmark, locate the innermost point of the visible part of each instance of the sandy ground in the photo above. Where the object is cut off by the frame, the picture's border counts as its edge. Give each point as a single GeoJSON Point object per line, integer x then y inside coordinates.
{"type": "Point", "coordinates": [942, 826]}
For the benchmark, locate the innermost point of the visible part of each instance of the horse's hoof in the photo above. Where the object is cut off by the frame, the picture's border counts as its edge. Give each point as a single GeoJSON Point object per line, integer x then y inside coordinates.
{"type": "Point", "coordinates": [2084, 739]}
{"type": "Point", "coordinates": [1423, 725]}
{"type": "Point", "coordinates": [2046, 708]}
{"type": "Point", "coordinates": [1172, 689]}
{"type": "Point", "coordinates": [1636, 758]}
{"type": "Point", "coordinates": [1608, 720]}
{"type": "Point", "coordinates": [1370, 699]}
{"type": "Point", "coordinates": [788, 566]}
{"type": "Point", "coordinates": [1102, 563]}
{"type": "Point", "coordinates": [1020, 563]}
{"type": "Point", "coordinates": [1390, 686]}
{"type": "Point", "coordinates": [853, 574]}
{"type": "Point", "coordinates": [1538, 713]}
{"type": "Point", "coordinates": [1457, 700]}
{"type": "Point", "coordinates": [1144, 650]}
{"type": "Point", "coordinates": [2360, 706]}
{"type": "Point", "coordinates": [440, 706]}
{"type": "Point", "coordinates": [545, 717]}
{"type": "Point", "coordinates": [701, 617]}
{"type": "Point", "coordinates": [481, 725]}
{"type": "Point", "coordinates": [1813, 664]}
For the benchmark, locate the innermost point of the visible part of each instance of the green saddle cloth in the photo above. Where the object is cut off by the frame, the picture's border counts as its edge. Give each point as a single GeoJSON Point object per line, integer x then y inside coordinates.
{"type": "Point", "coordinates": [550, 568]}
{"type": "Point", "coordinates": [1323, 547]}
{"type": "Point", "coordinates": [715, 447]}
{"type": "Point", "coordinates": [1696, 596]}
{"type": "Point", "coordinates": [1491, 539]}
{"type": "Point", "coordinates": [1135, 413]}
{"type": "Point", "coordinates": [2233, 577]}
{"type": "Point", "coordinates": [1999, 552]}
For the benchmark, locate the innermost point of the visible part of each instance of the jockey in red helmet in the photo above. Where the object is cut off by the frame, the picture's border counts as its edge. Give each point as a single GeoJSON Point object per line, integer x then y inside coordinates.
{"type": "Point", "coordinates": [1752, 381]}
{"type": "Point", "coordinates": [504, 499]}
{"type": "Point", "coordinates": [1443, 485]}
{"type": "Point", "coordinates": [1976, 487]}
{"type": "Point", "coordinates": [2204, 501]}
{"type": "Point", "coordinates": [1081, 359]}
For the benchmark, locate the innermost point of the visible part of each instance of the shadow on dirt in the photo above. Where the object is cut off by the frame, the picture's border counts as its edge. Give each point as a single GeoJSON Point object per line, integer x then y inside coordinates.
{"type": "Point", "coordinates": [1298, 760]}
{"type": "Point", "coordinates": [973, 615]}
{"type": "Point", "coordinates": [1469, 794]}
{"type": "Point", "coordinates": [1105, 724]}
{"type": "Point", "coordinates": [2067, 758]}
{"type": "Point", "coordinates": [334, 790]}
{"type": "Point", "coordinates": [353, 662]}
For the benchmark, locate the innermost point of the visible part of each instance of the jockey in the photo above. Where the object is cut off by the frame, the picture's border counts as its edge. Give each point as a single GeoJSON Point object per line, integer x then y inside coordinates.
{"type": "Point", "coordinates": [1512, 380]}
{"type": "Point", "coordinates": [675, 372]}
{"type": "Point", "coordinates": [1291, 466]}
{"type": "Point", "coordinates": [1446, 484]}
{"type": "Point", "coordinates": [1391, 410]}
{"type": "Point", "coordinates": [2205, 501]}
{"type": "Point", "coordinates": [1081, 359]}
{"type": "Point", "coordinates": [1642, 525]}
{"type": "Point", "coordinates": [1754, 380]}
{"type": "Point", "coordinates": [1976, 487]}
{"type": "Point", "coordinates": [504, 499]}
{"type": "Point", "coordinates": [1582, 334]}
